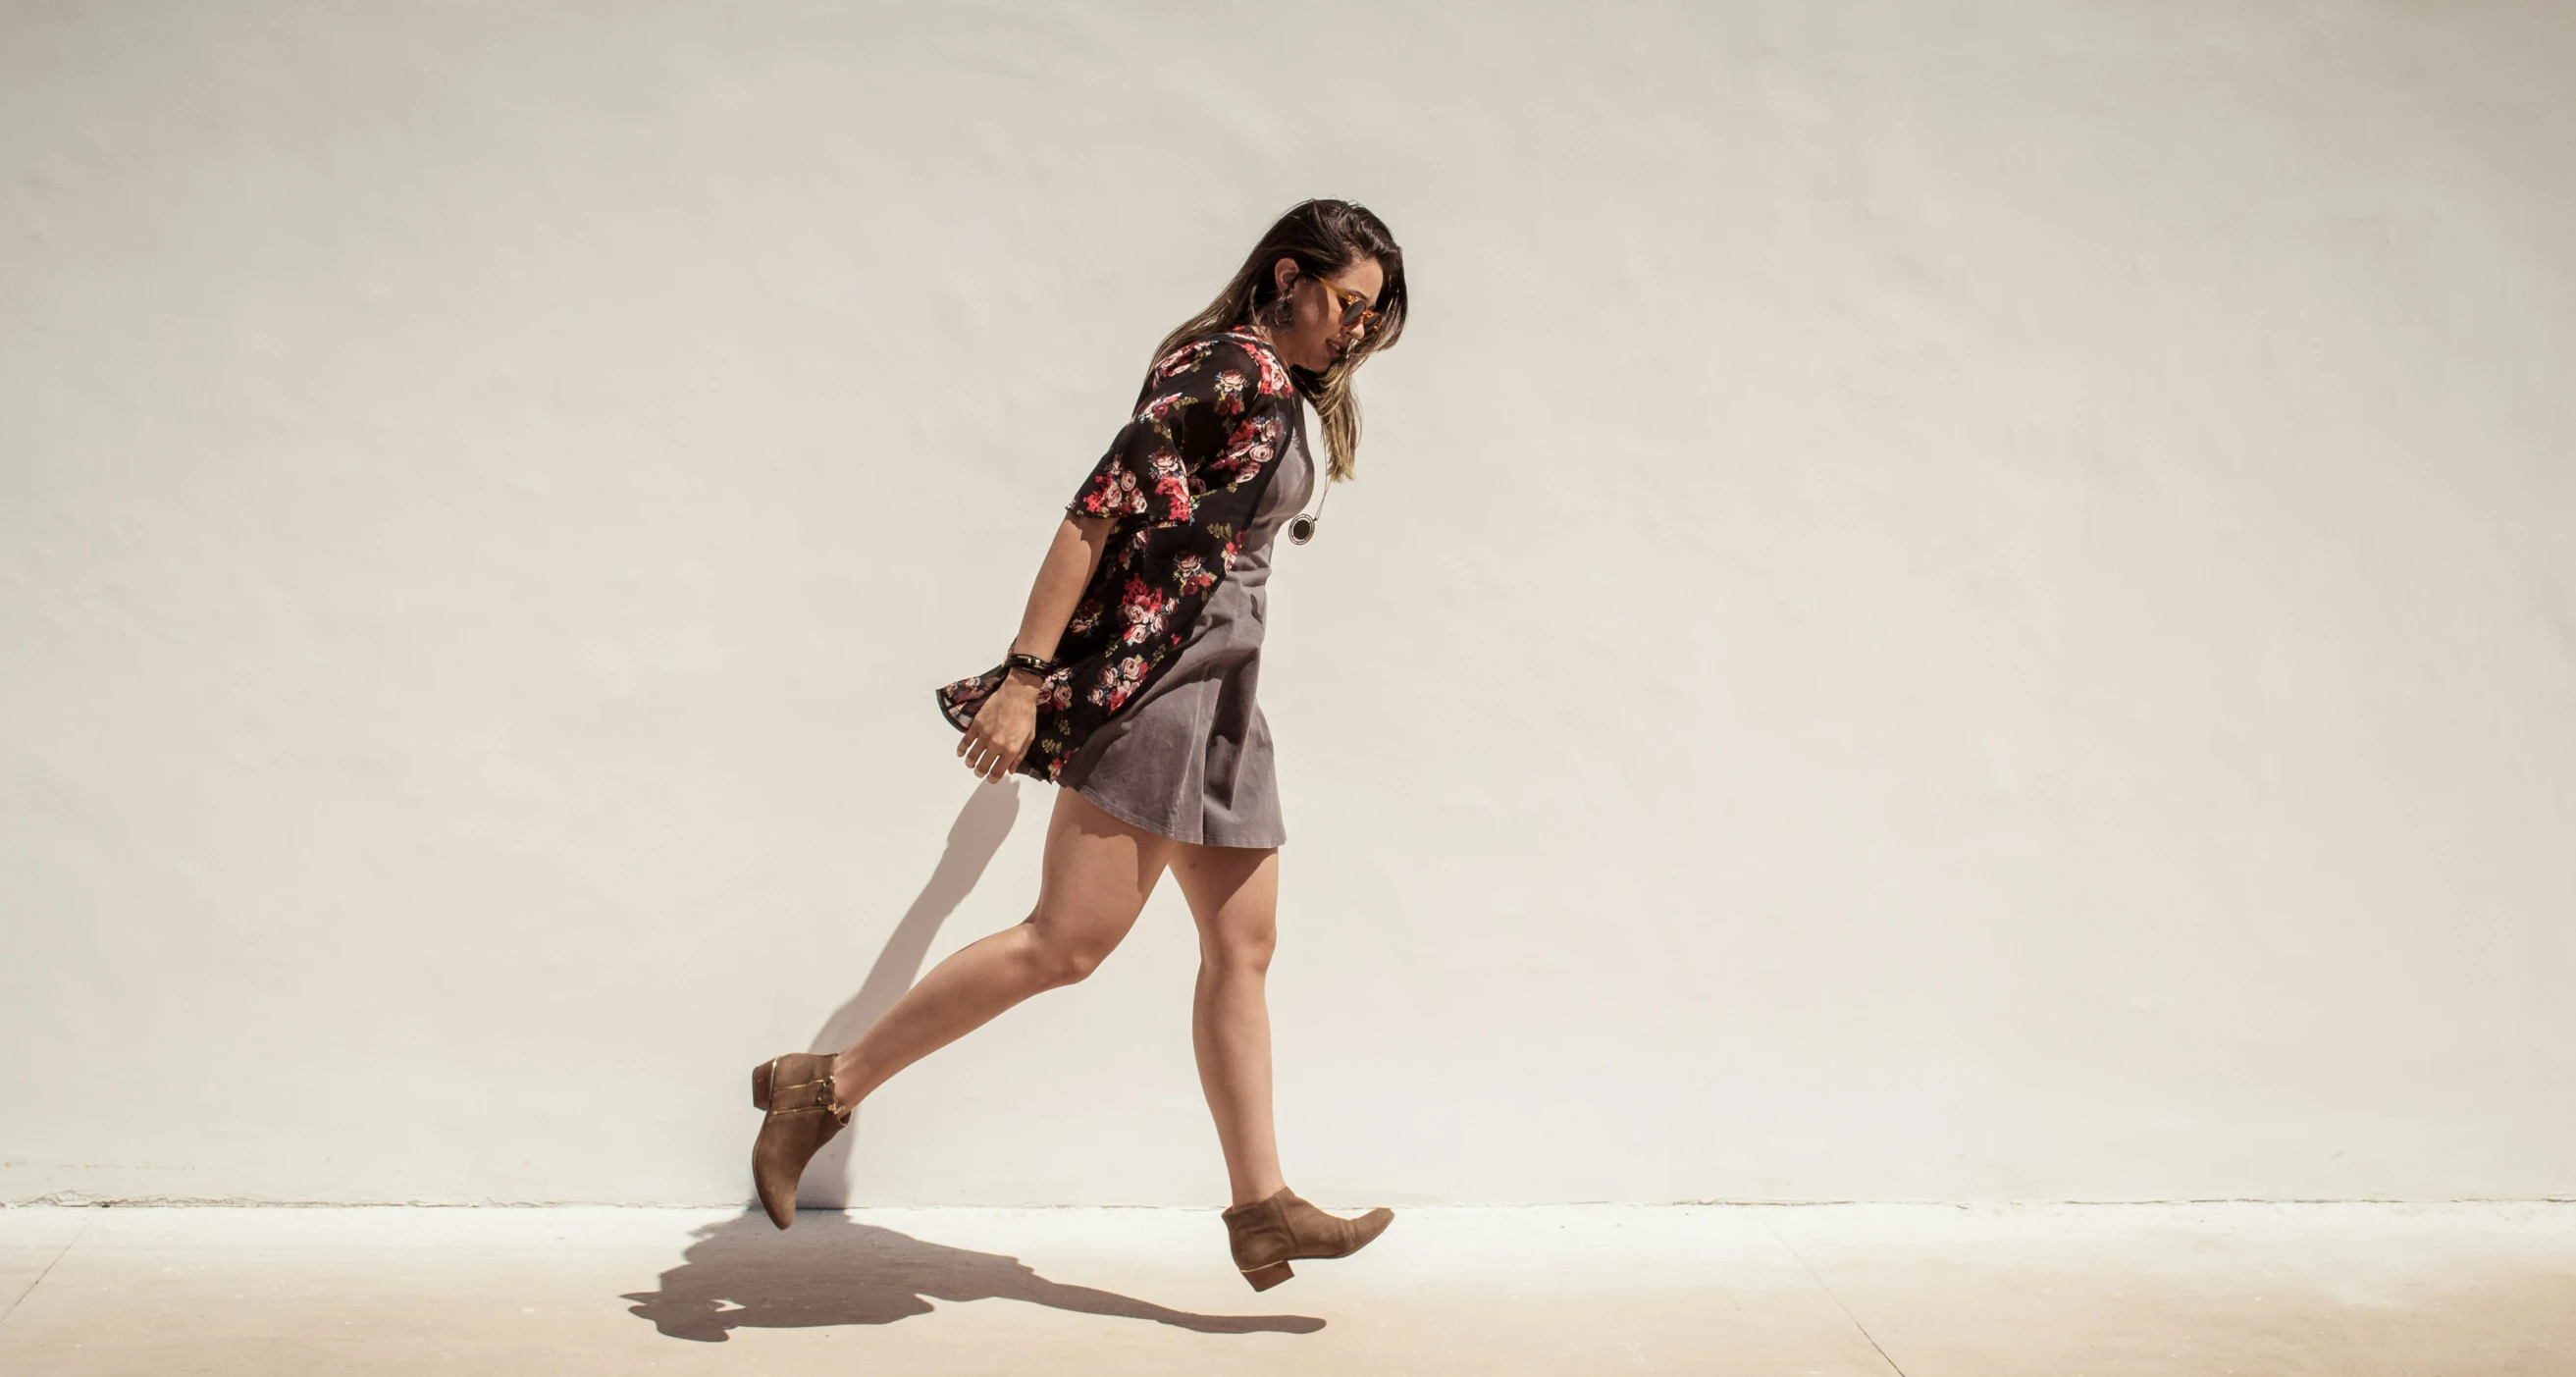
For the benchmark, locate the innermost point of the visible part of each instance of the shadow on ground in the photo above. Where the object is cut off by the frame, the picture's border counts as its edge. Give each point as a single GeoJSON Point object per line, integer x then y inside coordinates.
{"type": "Point", "coordinates": [832, 1270]}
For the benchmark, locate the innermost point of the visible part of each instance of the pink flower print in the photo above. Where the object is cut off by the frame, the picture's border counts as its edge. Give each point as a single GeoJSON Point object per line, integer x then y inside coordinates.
{"type": "Point", "coordinates": [1096, 496]}
{"type": "Point", "coordinates": [1142, 610]}
{"type": "Point", "coordinates": [1182, 359]}
{"type": "Point", "coordinates": [1229, 393]}
{"type": "Point", "coordinates": [1131, 673]}
{"type": "Point", "coordinates": [1274, 378]}
{"type": "Point", "coordinates": [1171, 484]}
{"type": "Point", "coordinates": [1190, 574]}
{"type": "Point", "coordinates": [1113, 493]}
{"type": "Point", "coordinates": [1086, 615]}
{"type": "Point", "coordinates": [1249, 447]}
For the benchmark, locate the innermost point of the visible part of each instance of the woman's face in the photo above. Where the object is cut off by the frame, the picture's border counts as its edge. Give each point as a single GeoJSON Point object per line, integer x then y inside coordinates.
{"type": "Point", "coordinates": [1315, 336]}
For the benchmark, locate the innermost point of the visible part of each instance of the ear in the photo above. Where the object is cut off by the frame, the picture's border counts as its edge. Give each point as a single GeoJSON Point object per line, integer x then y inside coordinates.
{"type": "Point", "coordinates": [1283, 272]}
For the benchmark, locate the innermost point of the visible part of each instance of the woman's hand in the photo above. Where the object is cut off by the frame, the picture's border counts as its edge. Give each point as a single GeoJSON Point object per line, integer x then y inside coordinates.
{"type": "Point", "coordinates": [1007, 720]}
{"type": "Point", "coordinates": [1005, 723]}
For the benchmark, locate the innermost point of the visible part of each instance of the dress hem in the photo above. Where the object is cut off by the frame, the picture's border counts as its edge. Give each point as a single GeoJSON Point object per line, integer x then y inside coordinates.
{"type": "Point", "coordinates": [1120, 812]}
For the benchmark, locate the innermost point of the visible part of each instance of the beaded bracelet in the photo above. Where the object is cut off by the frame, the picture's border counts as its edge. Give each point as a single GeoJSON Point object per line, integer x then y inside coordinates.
{"type": "Point", "coordinates": [1020, 659]}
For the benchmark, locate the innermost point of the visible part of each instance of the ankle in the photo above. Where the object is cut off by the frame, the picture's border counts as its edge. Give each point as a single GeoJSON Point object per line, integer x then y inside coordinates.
{"type": "Point", "coordinates": [1257, 1192]}
{"type": "Point", "coordinates": [846, 1093]}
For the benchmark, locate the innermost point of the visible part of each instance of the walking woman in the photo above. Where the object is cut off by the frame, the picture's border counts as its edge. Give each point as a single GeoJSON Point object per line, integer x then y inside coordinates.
{"type": "Point", "coordinates": [1131, 685]}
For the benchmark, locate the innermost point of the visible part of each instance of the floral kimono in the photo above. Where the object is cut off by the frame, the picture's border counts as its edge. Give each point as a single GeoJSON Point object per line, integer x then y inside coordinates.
{"type": "Point", "coordinates": [1184, 479]}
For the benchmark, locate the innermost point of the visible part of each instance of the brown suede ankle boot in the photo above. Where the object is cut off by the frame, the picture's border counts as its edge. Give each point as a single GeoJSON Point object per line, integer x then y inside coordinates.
{"type": "Point", "coordinates": [796, 1089]}
{"type": "Point", "coordinates": [1267, 1233]}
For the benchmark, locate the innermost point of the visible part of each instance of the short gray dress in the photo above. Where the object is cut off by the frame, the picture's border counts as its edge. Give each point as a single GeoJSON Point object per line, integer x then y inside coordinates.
{"type": "Point", "coordinates": [1189, 756]}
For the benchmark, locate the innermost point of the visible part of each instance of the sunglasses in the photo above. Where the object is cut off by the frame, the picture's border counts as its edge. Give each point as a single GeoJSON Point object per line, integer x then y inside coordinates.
{"type": "Point", "coordinates": [1355, 307]}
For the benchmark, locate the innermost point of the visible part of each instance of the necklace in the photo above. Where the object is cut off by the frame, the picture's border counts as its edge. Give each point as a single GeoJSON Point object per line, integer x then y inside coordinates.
{"type": "Point", "coordinates": [1301, 527]}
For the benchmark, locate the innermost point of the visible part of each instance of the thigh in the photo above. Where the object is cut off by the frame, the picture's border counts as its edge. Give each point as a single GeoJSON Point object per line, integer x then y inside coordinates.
{"type": "Point", "coordinates": [1233, 891]}
{"type": "Point", "coordinates": [1097, 873]}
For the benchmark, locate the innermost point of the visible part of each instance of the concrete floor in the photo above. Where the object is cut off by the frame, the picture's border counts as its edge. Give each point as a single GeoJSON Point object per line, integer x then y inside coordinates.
{"type": "Point", "coordinates": [1926, 1291]}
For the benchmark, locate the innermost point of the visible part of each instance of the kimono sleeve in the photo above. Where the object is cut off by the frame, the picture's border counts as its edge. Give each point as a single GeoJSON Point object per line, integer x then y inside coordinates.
{"type": "Point", "coordinates": [1209, 416]}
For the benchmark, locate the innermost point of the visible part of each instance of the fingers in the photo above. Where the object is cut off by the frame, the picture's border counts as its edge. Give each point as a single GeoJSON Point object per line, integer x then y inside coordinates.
{"type": "Point", "coordinates": [983, 752]}
{"type": "Point", "coordinates": [989, 761]}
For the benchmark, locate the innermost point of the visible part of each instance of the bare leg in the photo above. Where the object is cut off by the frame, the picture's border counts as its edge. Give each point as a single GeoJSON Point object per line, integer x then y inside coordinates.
{"type": "Point", "coordinates": [1234, 895]}
{"type": "Point", "coordinates": [1098, 872]}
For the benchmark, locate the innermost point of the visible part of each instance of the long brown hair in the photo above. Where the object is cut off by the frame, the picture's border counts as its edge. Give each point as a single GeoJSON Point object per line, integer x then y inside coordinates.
{"type": "Point", "coordinates": [1322, 238]}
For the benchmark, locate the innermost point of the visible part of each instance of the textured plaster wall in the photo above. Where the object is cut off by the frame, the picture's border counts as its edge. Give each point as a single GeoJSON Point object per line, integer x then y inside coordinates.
{"type": "Point", "coordinates": [1944, 601]}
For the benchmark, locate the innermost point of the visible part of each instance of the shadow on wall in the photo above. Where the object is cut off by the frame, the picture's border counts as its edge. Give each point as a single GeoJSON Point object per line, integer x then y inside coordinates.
{"type": "Point", "coordinates": [978, 832]}
{"type": "Point", "coordinates": [831, 1270]}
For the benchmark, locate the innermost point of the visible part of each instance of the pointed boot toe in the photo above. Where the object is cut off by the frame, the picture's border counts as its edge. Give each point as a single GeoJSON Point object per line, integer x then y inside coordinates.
{"type": "Point", "coordinates": [1369, 1226]}
{"type": "Point", "coordinates": [1267, 1234]}
{"type": "Point", "coordinates": [796, 1090]}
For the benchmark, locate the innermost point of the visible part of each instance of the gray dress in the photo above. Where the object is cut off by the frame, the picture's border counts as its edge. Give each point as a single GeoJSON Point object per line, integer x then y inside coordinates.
{"type": "Point", "coordinates": [1189, 756]}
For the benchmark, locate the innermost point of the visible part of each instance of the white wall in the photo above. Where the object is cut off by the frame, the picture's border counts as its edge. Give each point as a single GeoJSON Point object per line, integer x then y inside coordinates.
{"type": "Point", "coordinates": [1954, 601]}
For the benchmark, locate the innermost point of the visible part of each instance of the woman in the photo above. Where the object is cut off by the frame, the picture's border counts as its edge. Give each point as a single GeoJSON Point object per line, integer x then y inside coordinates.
{"type": "Point", "coordinates": [1131, 684]}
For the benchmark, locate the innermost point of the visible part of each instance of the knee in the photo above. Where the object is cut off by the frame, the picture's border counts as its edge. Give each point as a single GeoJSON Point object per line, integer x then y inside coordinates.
{"type": "Point", "coordinates": [1066, 961]}
{"type": "Point", "coordinates": [1240, 954]}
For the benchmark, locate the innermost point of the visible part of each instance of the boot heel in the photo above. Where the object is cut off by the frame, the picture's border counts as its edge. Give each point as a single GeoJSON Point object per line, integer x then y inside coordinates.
{"type": "Point", "coordinates": [760, 1083]}
{"type": "Point", "coordinates": [1263, 1278]}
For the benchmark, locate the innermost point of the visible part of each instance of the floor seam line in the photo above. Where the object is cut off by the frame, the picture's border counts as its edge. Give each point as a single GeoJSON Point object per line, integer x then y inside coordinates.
{"type": "Point", "coordinates": [49, 1271]}
{"type": "Point", "coordinates": [1819, 1279]}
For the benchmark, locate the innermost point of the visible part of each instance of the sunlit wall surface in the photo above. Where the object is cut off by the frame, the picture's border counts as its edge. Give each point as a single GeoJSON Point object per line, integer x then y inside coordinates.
{"type": "Point", "coordinates": [1944, 601]}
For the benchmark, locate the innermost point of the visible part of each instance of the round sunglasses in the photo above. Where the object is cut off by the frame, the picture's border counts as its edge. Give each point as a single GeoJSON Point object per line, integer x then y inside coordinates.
{"type": "Point", "coordinates": [1355, 307]}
